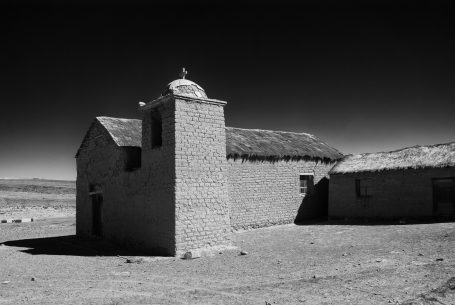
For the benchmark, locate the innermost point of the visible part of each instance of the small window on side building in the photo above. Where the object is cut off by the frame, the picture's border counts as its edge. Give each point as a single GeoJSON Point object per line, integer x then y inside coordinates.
{"type": "Point", "coordinates": [132, 158]}
{"type": "Point", "coordinates": [361, 189]}
{"type": "Point", "coordinates": [156, 129]}
{"type": "Point", "coordinates": [306, 184]}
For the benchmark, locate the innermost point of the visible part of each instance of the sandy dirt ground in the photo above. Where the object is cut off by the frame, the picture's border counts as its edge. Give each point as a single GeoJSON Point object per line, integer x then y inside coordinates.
{"type": "Point", "coordinates": [36, 212]}
{"type": "Point", "coordinates": [324, 263]}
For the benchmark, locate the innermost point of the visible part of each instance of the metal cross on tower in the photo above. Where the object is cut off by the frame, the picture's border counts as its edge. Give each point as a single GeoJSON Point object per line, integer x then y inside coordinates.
{"type": "Point", "coordinates": [183, 73]}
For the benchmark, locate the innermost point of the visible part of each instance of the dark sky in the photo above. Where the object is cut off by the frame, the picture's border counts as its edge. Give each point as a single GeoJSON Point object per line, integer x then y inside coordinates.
{"type": "Point", "coordinates": [363, 77]}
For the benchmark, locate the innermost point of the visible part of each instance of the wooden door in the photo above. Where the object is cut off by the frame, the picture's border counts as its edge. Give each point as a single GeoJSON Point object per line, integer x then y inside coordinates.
{"type": "Point", "coordinates": [97, 209]}
{"type": "Point", "coordinates": [444, 196]}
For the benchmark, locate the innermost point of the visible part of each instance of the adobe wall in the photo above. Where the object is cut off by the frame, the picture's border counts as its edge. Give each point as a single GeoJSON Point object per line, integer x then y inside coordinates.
{"type": "Point", "coordinates": [393, 194]}
{"type": "Point", "coordinates": [138, 206]}
{"type": "Point", "coordinates": [94, 164]}
{"type": "Point", "coordinates": [157, 196]}
{"type": "Point", "coordinates": [177, 201]}
{"type": "Point", "coordinates": [266, 193]}
{"type": "Point", "coordinates": [202, 207]}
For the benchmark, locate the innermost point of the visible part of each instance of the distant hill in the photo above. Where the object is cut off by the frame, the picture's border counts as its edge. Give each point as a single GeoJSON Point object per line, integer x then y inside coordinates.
{"type": "Point", "coordinates": [36, 185]}
{"type": "Point", "coordinates": [37, 198]}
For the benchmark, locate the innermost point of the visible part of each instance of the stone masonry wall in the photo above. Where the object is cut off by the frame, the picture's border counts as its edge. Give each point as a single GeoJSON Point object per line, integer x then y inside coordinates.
{"type": "Point", "coordinates": [265, 193]}
{"type": "Point", "coordinates": [177, 201]}
{"type": "Point", "coordinates": [138, 206]}
{"type": "Point", "coordinates": [202, 207]}
{"type": "Point", "coordinates": [187, 195]}
{"type": "Point", "coordinates": [96, 160]}
{"type": "Point", "coordinates": [392, 194]}
{"type": "Point", "coordinates": [158, 174]}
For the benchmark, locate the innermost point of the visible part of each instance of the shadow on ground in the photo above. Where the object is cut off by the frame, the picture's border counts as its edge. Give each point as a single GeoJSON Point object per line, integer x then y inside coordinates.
{"type": "Point", "coordinates": [75, 246]}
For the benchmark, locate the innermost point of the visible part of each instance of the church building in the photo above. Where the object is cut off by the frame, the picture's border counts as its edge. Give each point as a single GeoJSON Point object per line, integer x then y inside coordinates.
{"type": "Point", "coordinates": [179, 180]}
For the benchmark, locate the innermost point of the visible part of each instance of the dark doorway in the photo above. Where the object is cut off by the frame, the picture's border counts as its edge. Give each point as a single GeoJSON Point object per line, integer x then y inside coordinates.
{"type": "Point", "coordinates": [97, 214]}
{"type": "Point", "coordinates": [444, 196]}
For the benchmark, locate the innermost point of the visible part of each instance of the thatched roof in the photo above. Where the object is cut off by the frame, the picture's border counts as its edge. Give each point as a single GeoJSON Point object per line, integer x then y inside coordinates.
{"type": "Point", "coordinates": [440, 155]}
{"type": "Point", "coordinates": [240, 143]}
{"type": "Point", "coordinates": [124, 132]}
{"type": "Point", "coordinates": [256, 143]}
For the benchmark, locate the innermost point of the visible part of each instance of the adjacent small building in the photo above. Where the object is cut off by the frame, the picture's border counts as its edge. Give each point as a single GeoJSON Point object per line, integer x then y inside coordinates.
{"type": "Point", "coordinates": [414, 182]}
{"type": "Point", "coordinates": [179, 180]}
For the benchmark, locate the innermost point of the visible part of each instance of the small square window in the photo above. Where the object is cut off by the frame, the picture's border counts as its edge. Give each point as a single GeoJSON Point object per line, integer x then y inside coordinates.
{"type": "Point", "coordinates": [361, 188]}
{"type": "Point", "coordinates": [156, 129]}
{"type": "Point", "coordinates": [306, 184]}
{"type": "Point", "coordinates": [132, 158]}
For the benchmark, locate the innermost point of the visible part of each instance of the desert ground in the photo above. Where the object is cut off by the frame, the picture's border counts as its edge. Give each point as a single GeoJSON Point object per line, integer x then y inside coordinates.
{"type": "Point", "coordinates": [25, 198]}
{"type": "Point", "coordinates": [42, 262]}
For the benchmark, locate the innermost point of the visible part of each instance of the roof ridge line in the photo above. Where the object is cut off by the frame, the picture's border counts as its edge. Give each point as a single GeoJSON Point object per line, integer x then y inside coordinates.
{"type": "Point", "coordinates": [401, 149]}
{"type": "Point", "coordinates": [110, 117]}
{"type": "Point", "coordinates": [268, 130]}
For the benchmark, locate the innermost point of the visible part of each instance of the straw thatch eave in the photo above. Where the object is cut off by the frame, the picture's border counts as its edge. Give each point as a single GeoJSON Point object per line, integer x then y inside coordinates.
{"type": "Point", "coordinates": [247, 144]}
{"type": "Point", "coordinates": [415, 157]}
{"type": "Point", "coordinates": [258, 144]}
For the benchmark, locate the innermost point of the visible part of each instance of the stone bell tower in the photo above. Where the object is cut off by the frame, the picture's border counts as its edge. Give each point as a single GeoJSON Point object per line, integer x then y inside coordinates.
{"type": "Point", "coordinates": [184, 157]}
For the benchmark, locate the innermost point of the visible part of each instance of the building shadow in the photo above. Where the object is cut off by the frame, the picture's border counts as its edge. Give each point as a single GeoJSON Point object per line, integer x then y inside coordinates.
{"type": "Point", "coordinates": [72, 245]}
{"type": "Point", "coordinates": [314, 207]}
